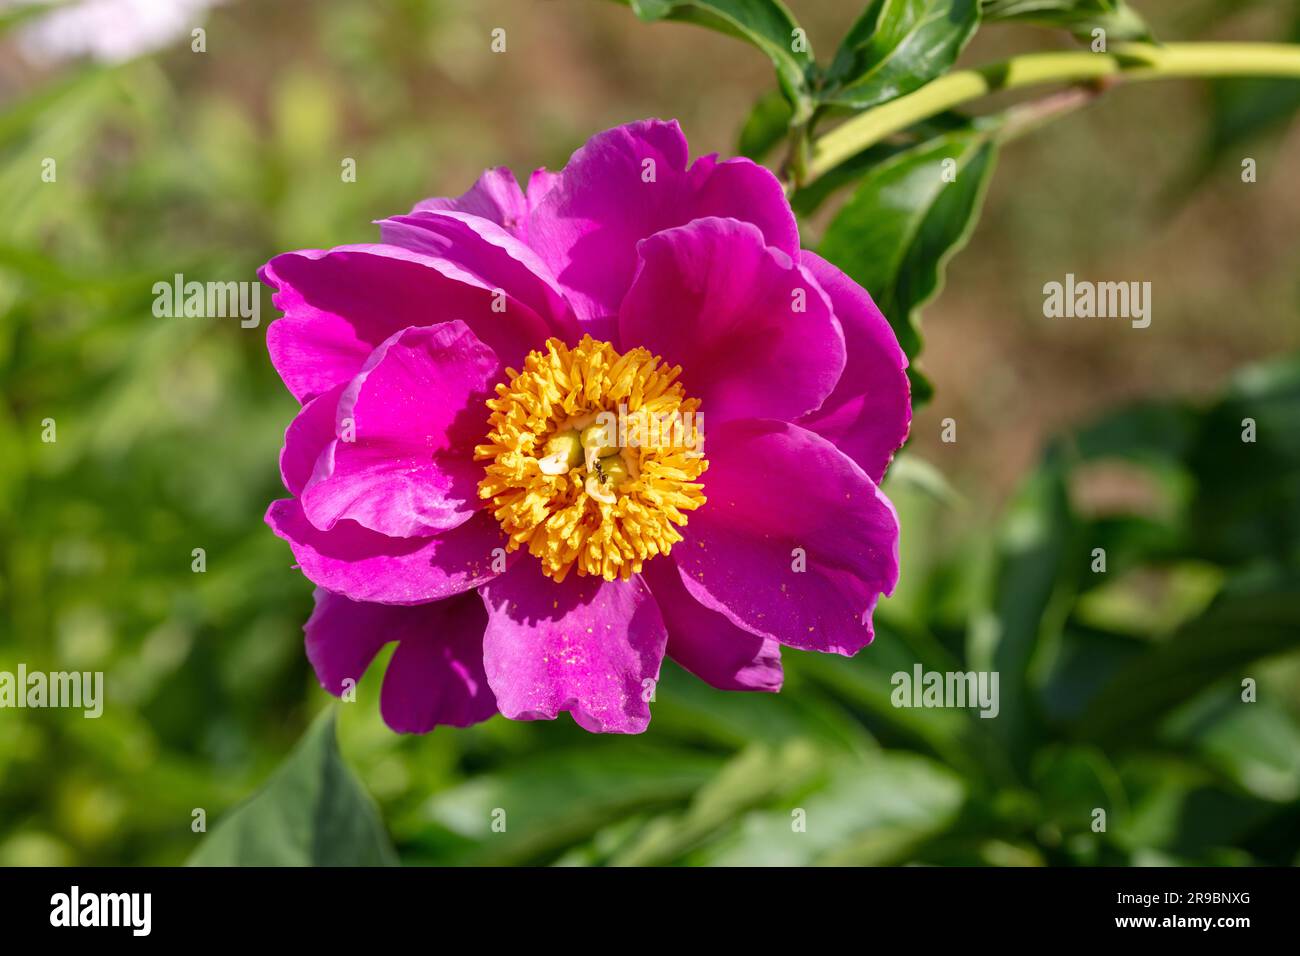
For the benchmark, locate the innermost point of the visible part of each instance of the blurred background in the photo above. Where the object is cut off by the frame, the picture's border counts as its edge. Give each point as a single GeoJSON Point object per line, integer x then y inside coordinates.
{"type": "Point", "coordinates": [1120, 690]}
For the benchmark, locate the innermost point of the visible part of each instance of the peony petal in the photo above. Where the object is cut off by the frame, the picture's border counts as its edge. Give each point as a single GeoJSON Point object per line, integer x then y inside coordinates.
{"type": "Point", "coordinates": [367, 566]}
{"type": "Point", "coordinates": [434, 677]}
{"type": "Point", "coordinates": [416, 410]}
{"type": "Point", "coordinates": [868, 414]}
{"type": "Point", "coordinates": [494, 257]}
{"type": "Point", "coordinates": [706, 643]}
{"type": "Point", "coordinates": [307, 436]}
{"type": "Point", "coordinates": [437, 676]}
{"type": "Point", "coordinates": [588, 646]}
{"type": "Point", "coordinates": [739, 188]}
{"type": "Point", "coordinates": [496, 197]}
{"type": "Point", "coordinates": [539, 184]}
{"type": "Point", "coordinates": [340, 304]}
{"type": "Point", "coordinates": [751, 330]}
{"type": "Point", "coordinates": [630, 182]}
{"type": "Point", "coordinates": [779, 494]}
{"type": "Point", "coordinates": [344, 636]}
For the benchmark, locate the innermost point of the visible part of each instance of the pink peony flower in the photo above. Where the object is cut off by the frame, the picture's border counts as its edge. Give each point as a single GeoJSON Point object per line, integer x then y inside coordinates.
{"type": "Point", "coordinates": [529, 554]}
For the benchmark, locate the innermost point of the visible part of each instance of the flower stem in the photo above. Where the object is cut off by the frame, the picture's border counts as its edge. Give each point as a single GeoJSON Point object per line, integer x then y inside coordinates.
{"type": "Point", "coordinates": [1129, 61]}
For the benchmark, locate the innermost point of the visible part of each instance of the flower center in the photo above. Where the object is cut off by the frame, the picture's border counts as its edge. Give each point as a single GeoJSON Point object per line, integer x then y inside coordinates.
{"type": "Point", "coordinates": [592, 458]}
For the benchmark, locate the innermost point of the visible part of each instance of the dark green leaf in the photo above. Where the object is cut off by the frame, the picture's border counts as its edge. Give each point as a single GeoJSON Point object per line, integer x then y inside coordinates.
{"type": "Point", "coordinates": [312, 812]}
{"type": "Point", "coordinates": [1037, 576]}
{"type": "Point", "coordinates": [1252, 619]}
{"type": "Point", "coordinates": [1247, 503]}
{"type": "Point", "coordinates": [807, 199]}
{"type": "Point", "coordinates": [905, 221]}
{"type": "Point", "coordinates": [897, 46]}
{"type": "Point", "coordinates": [767, 24]}
{"type": "Point", "coordinates": [765, 127]}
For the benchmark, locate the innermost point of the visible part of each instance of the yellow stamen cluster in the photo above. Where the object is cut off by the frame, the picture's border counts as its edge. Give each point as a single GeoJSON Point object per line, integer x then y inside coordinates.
{"type": "Point", "coordinates": [565, 488]}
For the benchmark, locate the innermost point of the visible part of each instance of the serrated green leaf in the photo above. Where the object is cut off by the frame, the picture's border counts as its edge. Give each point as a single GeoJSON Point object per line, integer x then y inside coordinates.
{"type": "Point", "coordinates": [906, 219]}
{"type": "Point", "coordinates": [312, 812]}
{"type": "Point", "coordinates": [898, 46]}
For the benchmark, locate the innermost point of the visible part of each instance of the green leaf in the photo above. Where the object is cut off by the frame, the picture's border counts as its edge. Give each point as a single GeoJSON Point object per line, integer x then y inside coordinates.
{"type": "Point", "coordinates": [1255, 743]}
{"type": "Point", "coordinates": [1247, 504]}
{"type": "Point", "coordinates": [1071, 781]}
{"type": "Point", "coordinates": [809, 198]}
{"type": "Point", "coordinates": [897, 46]}
{"type": "Point", "coordinates": [870, 811]}
{"type": "Point", "coordinates": [1036, 579]}
{"type": "Point", "coordinates": [905, 221]}
{"type": "Point", "coordinates": [312, 812]}
{"type": "Point", "coordinates": [767, 24]}
{"type": "Point", "coordinates": [1080, 17]}
{"type": "Point", "coordinates": [532, 809]}
{"type": "Point", "coordinates": [765, 127]}
{"type": "Point", "coordinates": [1253, 618]}
{"type": "Point", "coordinates": [757, 776]}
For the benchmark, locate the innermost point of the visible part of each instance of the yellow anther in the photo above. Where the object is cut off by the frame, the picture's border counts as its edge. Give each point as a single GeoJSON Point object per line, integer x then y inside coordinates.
{"type": "Point", "coordinates": [555, 476]}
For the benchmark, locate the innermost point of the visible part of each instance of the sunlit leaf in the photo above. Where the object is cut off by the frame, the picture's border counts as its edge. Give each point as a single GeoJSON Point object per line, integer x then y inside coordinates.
{"type": "Point", "coordinates": [906, 219]}
{"type": "Point", "coordinates": [897, 46]}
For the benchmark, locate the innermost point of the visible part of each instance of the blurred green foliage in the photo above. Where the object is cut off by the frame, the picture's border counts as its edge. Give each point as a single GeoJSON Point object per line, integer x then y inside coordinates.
{"type": "Point", "coordinates": [1120, 690]}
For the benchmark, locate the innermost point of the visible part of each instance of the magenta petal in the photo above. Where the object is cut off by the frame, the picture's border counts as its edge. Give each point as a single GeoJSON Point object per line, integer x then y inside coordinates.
{"type": "Point", "coordinates": [751, 330]}
{"type": "Point", "coordinates": [630, 182]}
{"type": "Point", "coordinates": [706, 643]}
{"type": "Point", "coordinates": [340, 304]}
{"type": "Point", "coordinates": [780, 495]}
{"type": "Point", "coordinates": [870, 411]}
{"type": "Point", "coordinates": [494, 257]}
{"type": "Point", "coordinates": [539, 184]}
{"type": "Point", "coordinates": [739, 188]}
{"type": "Point", "coordinates": [588, 646]}
{"type": "Point", "coordinates": [367, 566]}
{"type": "Point", "coordinates": [495, 197]}
{"type": "Point", "coordinates": [416, 411]}
{"type": "Point", "coordinates": [435, 675]}
{"type": "Point", "coordinates": [307, 436]}
{"type": "Point", "coordinates": [344, 636]}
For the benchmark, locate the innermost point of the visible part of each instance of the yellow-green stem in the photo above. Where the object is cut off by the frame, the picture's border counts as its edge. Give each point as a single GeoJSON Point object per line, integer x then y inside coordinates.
{"type": "Point", "coordinates": [1131, 61]}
